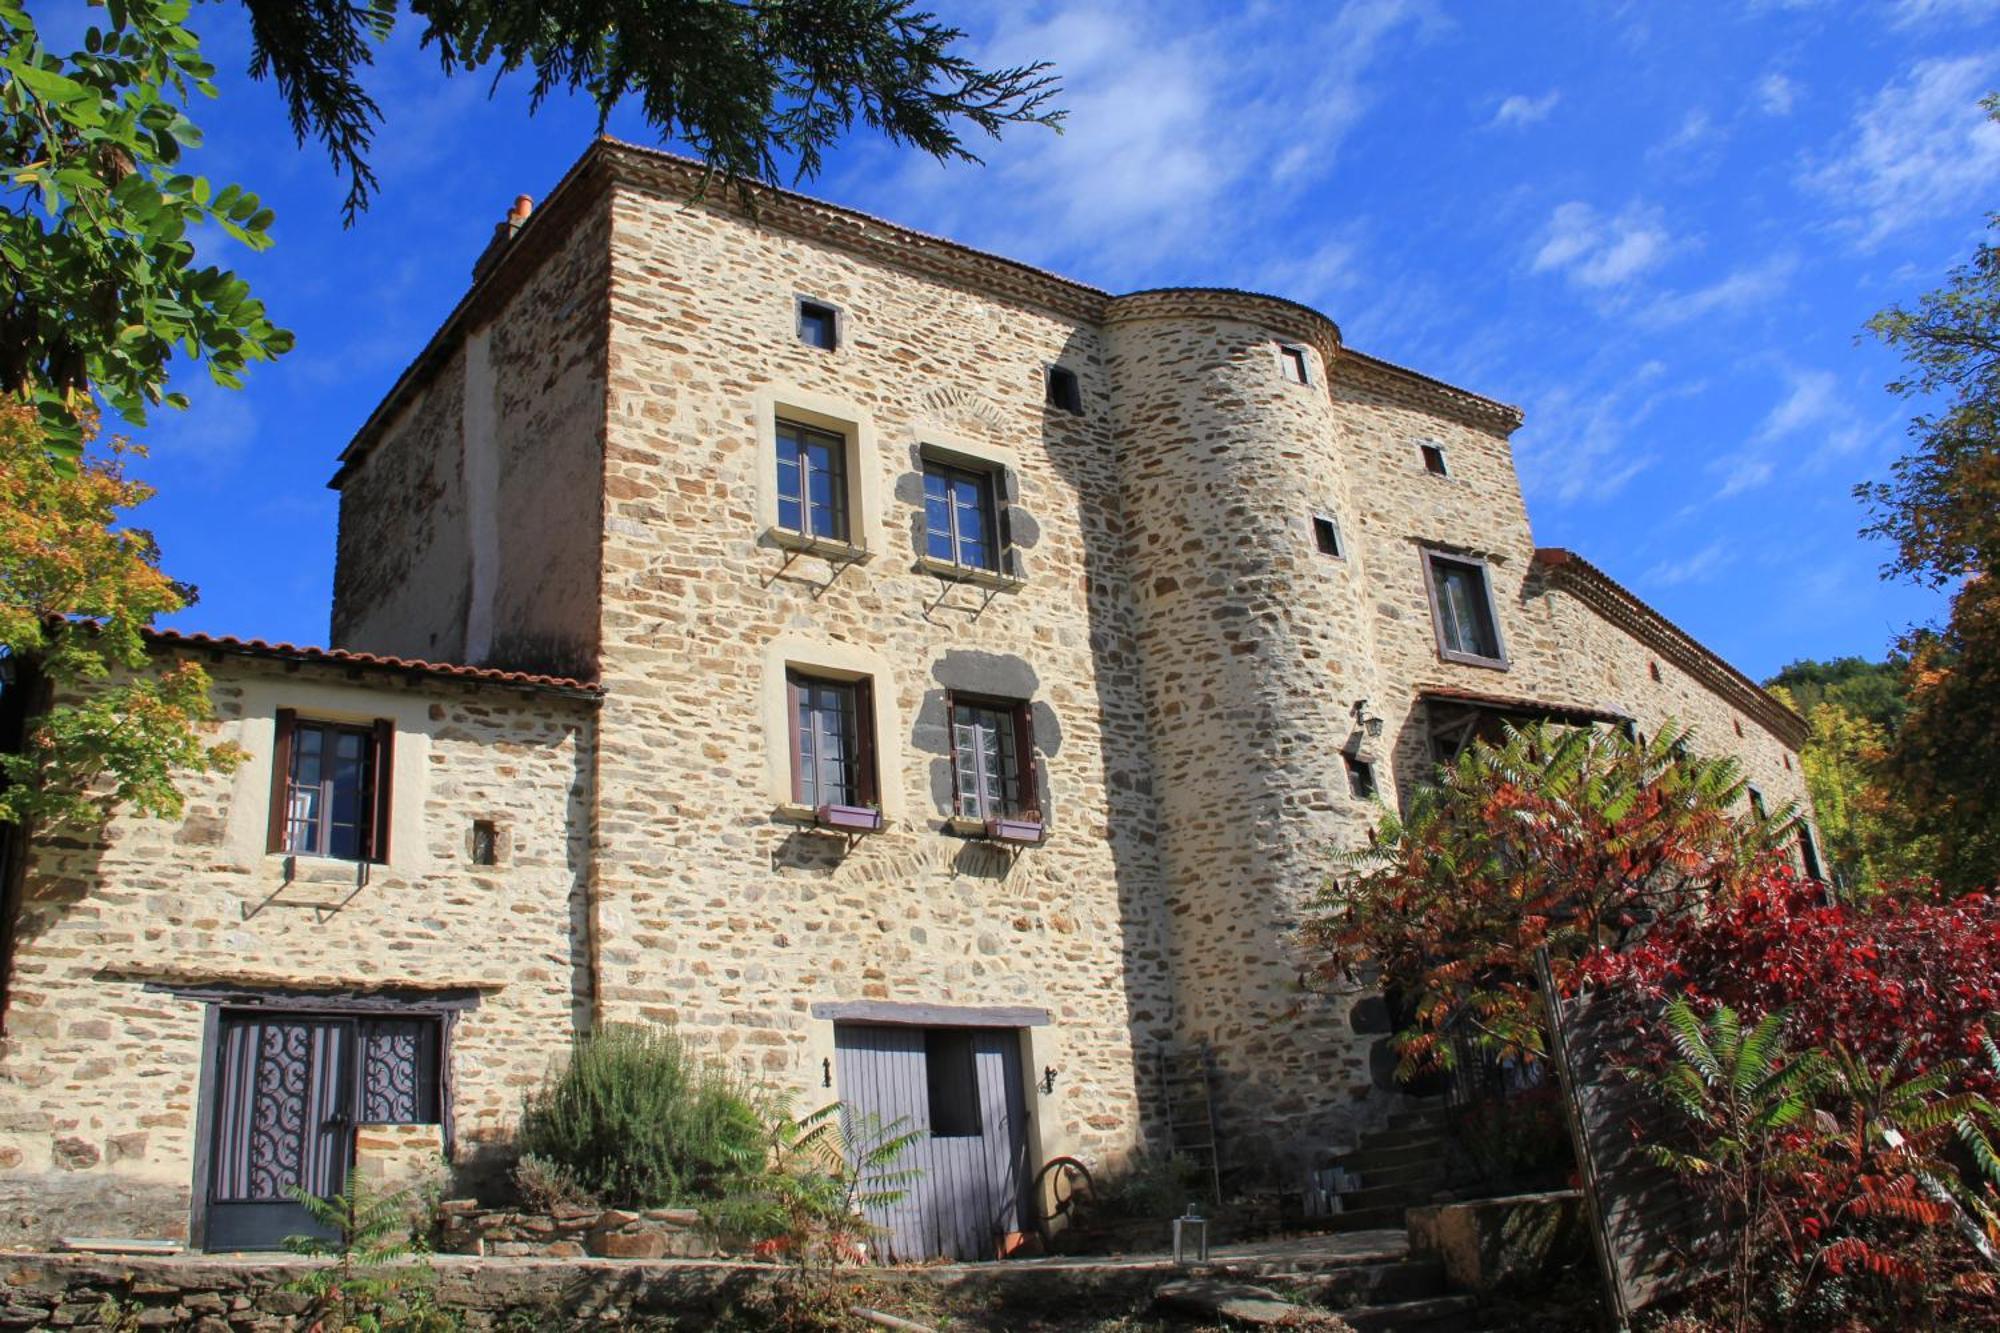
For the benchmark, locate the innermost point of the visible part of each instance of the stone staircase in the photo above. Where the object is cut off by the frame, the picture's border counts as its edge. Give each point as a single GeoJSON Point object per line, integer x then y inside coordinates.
{"type": "Point", "coordinates": [1370, 1280]}
{"type": "Point", "coordinates": [1394, 1167]}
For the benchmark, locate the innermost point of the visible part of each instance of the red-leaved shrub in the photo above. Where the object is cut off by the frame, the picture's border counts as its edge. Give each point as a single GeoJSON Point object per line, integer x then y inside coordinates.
{"type": "Point", "coordinates": [1864, 976]}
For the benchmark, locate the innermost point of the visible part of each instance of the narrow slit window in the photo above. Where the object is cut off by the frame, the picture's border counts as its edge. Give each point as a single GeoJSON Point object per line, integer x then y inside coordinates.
{"type": "Point", "coordinates": [1295, 364]}
{"type": "Point", "coordinates": [485, 843]}
{"type": "Point", "coordinates": [1433, 455]}
{"type": "Point", "coordinates": [1360, 778]}
{"type": "Point", "coordinates": [1757, 807]}
{"type": "Point", "coordinates": [1064, 390]}
{"type": "Point", "coordinates": [819, 325]}
{"type": "Point", "coordinates": [961, 526]}
{"type": "Point", "coordinates": [951, 1070]}
{"type": "Point", "coordinates": [812, 482]}
{"type": "Point", "coordinates": [1326, 535]}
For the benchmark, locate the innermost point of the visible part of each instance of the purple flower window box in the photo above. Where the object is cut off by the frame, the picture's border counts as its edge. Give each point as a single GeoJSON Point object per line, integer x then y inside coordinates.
{"type": "Point", "coordinates": [1016, 830]}
{"type": "Point", "coordinates": [853, 818]}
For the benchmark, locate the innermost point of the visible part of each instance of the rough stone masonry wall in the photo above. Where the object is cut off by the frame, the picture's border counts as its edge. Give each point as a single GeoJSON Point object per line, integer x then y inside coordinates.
{"type": "Point", "coordinates": [469, 528]}
{"type": "Point", "coordinates": [714, 908]}
{"type": "Point", "coordinates": [1559, 650]}
{"type": "Point", "coordinates": [100, 1065]}
{"type": "Point", "coordinates": [1255, 647]}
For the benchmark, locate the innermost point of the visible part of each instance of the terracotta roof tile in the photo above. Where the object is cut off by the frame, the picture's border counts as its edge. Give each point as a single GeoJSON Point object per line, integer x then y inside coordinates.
{"type": "Point", "coordinates": [228, 643]}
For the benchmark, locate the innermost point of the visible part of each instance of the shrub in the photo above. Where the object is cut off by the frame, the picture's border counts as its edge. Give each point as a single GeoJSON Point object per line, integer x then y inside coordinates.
{"type": "Point", "coordinates": [1149, 1186]}
{"type": "Point", "coordinates": [637, 1120]}
{"type": "Point", "coordinates": [545, 1186]}
{"type": "Point", "coordinates": [1874, 977]}
{"type": "Point", "coordinates": [1561, 838]}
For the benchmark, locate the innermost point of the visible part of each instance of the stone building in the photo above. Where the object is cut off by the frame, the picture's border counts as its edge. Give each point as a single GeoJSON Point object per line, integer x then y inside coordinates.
{"type": "Point", "coordinates": [929, 682]}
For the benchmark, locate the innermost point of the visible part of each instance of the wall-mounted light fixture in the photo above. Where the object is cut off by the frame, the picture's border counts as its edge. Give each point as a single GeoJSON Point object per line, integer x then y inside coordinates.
{"type": "Point", "coordinates": [1371, 726]}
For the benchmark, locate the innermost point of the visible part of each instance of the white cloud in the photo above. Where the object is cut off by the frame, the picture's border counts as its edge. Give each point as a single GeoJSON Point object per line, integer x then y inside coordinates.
{"type": "Point", "coordinates": [1913, 13]}
{"type": "Point", "coordinates": [1697, 127]}
{"type": "Point", "coordinates": [1577, 446]}
{"type": "Point", "coordinates": [1693, 568]}
{"type": "Point", "coordinates": [1813, 396]}
{"type": "Point", "coordinates": [1742, 473]}
{"type": "Point", "coordinates": [1520, 109]}
{"type": "Point", "coordinates": [1741, 290]}
{"type": "Point", "coordinates": [1921, 148]}
{"type": "Point", "coordinates": [1777, 94]}
{"type": "Point", "coordinates": [1811, 406]}
{"type": "Point", "coordinates": [1185, 124]}
{"type": "Point", "coordinates": [1599, 251]}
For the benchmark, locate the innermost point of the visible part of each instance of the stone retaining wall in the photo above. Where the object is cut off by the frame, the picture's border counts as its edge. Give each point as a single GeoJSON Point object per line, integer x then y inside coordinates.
{"type": "Point", "coordinates": [571, 1233]}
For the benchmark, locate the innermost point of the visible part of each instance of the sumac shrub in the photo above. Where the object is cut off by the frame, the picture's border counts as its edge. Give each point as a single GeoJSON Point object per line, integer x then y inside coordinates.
{"type": "Point", "coordinates": [636, 1119]}
{"type": "Point", "coordinates": [1866, 977]}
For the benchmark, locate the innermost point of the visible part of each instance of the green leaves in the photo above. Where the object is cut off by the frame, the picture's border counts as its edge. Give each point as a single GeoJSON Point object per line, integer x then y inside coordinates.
{"type": "Point", "coordinates": [102, 292]}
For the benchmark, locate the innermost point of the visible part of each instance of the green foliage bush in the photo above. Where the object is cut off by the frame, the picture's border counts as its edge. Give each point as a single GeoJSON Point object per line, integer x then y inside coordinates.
{"type": "Point", "coordinates": [637, 1120]}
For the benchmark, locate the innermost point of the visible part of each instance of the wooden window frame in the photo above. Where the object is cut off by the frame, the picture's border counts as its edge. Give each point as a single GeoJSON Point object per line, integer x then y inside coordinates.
{"type": "Point", "coordinates": [1295, 362]}
{"type": "Point", "coordinates": [378, 785]}
{"type": "Point", "coordinates": [1431, 454]}
{"type": "Point", "coordinates": [867, 793]}
{"type": "Point", "coordinates": [990, 482]}
{"type": "Point", "coordinates": [1063, 390]}
{"type": "Point", "coordinates": [844, 501]}
{"type": "Point", "coordinates": [805, 308]}
{"type": "Point", "coordinates": [1027, 773]}
{"type": "Point", "coordinates": [1497, 662]}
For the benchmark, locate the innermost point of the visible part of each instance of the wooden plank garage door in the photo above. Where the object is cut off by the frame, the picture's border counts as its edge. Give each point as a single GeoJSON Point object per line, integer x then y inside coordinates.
{"type": "Point", "coordinates": [961, 1089]}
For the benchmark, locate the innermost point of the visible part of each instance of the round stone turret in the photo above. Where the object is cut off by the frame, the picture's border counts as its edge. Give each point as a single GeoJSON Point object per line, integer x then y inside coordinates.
{"type": "Point", "coordinates": [1257, 645]}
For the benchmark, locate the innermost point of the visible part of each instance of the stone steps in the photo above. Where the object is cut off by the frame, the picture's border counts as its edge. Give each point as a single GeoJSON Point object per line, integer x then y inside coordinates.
{"type": "Point", "coordinates": [1363, 1160]}
{"type": "Point", "coordinates": [1434, 1314]}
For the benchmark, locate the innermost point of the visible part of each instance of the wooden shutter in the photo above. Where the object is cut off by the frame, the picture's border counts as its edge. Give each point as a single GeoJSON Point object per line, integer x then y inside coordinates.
{"type": "Point", "coordinates": [382, 767]}
{"type": "Point", "coordinates": [281, 780]}
{"type": "Point", "coordinates": [1024, 757]}
{"type": "Point", "coordinates": [865, 778]}
{"type": "Point", "coordinates": [792, 733]}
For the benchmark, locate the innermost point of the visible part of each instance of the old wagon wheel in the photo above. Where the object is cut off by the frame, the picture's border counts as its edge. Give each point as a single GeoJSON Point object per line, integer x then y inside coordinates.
{"type": "Point", "coordinates": [1062, 1189]}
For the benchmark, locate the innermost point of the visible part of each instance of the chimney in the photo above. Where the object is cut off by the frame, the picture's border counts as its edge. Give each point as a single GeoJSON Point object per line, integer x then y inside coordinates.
{"type": "Point", "coordinates": [503, 232]}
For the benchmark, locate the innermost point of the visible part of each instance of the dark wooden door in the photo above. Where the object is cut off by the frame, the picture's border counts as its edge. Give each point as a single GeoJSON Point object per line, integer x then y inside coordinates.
{"type": "Point", "coordinates": [961, 1088]}
{"type": "Point", "coordinates": [283, 1120]}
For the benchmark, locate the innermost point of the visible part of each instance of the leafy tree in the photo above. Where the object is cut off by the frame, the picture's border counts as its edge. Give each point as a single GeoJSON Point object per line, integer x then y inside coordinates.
{"type": "Point", "coordinates": [76, 589]}
{"type": "Point", "coordinates": [1941, 506]}
{"type": "Point", "coordinates": [1558, 838]}
{"type": "Point", "coordinates": [1868, 832]}
{"type": "Point", "coordinates": [1941, 765]}
{"type": "Point", "coordinates": [1941, 509]}
{"type": "Point", "coordinates": [102, 286]}
{"type": "Point", "coordinates": [1872, 691]}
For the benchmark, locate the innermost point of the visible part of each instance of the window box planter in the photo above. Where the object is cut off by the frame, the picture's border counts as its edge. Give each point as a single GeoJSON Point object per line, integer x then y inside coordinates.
{"type": "Point", "coordinates": [849, 818]}
{"type": "Point", "coordinates": [1018, 830]}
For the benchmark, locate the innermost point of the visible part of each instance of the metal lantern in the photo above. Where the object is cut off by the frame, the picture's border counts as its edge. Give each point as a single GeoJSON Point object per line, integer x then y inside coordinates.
{"type": "Point", "coordinates": [1190, 1238]}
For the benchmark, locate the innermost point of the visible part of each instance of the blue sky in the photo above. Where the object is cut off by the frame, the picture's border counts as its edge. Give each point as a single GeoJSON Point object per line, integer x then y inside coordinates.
{"type": "Point", "coordinates": [1658, 228]}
